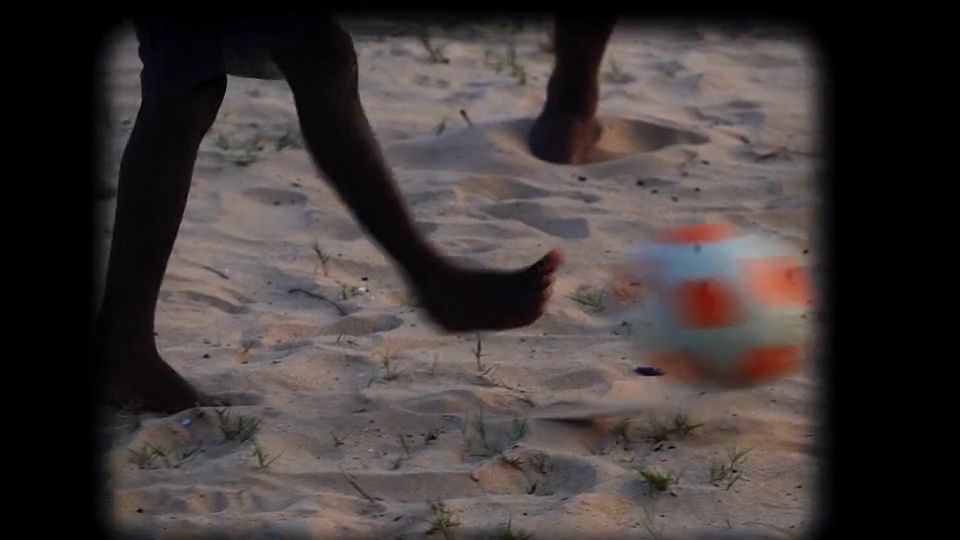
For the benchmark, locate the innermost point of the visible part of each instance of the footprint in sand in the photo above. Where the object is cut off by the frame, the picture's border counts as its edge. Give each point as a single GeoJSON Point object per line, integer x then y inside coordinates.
{"type": "Point", "coordinates": [731, 113]}
{"type": "Point", "coordinates": [263, 211]}
{"type": "Point", "coordinates": [623, 137]}
{"type": "Point", "coordinates": [206, 299]}
{"type": "Point", "coordinates": [505, 151]}
{"type": "Point", "coordinates": [336, 227]}
{"type": "Point", "coordinates": [543, 218]}
{"type": "Point", "coordinates": [358, 325]}
{"type": "Point", "coordinates": [499, 188]}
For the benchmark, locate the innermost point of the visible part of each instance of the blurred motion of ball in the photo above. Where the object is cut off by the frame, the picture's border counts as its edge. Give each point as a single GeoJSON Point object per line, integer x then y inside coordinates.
{"type": "Point", "coordinates": [720, 307]}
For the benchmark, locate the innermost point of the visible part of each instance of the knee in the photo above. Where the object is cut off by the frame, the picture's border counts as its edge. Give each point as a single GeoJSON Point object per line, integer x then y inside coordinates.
{"type": "Point", "coordinates": [207, 100]}
{"type": "Point", "coordinates": [323, 63]}
{"type": "Point", "coordinates": [186, 114]}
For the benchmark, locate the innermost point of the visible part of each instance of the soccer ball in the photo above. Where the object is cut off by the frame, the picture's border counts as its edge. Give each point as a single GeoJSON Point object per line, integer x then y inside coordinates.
{"type": "Point", "coordinates": [720, 307]}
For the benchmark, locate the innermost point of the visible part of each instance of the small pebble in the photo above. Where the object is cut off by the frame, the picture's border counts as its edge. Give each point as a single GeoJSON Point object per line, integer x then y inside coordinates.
{"type": "Point", "coordinates": [674, 199]}
{"type": "Point", "coordinates": [582, 178]}
{"type": "Point", "coordinates": [641, 183]}
{"type": "Point", "coordinates": [696, 189]}
{"type": "Point", "coordinates": [186, 421]}
{"type": "Point", "coordinates": [206, 355]}
{"type": "Point", "coordinates": [653, 191]}
{"type": "Point", "coordinates": [139, 510]}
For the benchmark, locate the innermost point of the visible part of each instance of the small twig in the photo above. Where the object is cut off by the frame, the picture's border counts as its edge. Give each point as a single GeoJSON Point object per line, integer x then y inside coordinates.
{"type": "Point", "coordinates": [435, 52]}
{"type": "Point", "coordinates": [357, 487]}
{"type": "Point", "coordinates": [777, 152]}
{"type": "Point", "coordinates": [442, 126]}
{"type": "Point", "coordinates": [340, 310]}
{"type": "Point", "coordinates": [463, 113]}
{"type": "Point", "coordinates": [324, 257]}
{"type": "Point", "coordinates": [733, 481]}
{"type": "Point", "coordinates": [404, 444]}
{"type": "Point", "coordinates": [215, 271]}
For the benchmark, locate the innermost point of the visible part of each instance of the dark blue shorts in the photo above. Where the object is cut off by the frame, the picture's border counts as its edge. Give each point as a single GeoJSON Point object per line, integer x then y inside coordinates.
{"type": "Point", "coordinates": [179, 53]}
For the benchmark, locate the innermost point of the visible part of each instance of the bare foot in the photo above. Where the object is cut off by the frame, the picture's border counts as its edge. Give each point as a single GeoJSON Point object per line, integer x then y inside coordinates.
{"type": "Point", "coordinates": [468, 300]}
{"type": "Point", "coordinates": [564, 138]}
{"type": "Point", "coordinates": [145, 380]}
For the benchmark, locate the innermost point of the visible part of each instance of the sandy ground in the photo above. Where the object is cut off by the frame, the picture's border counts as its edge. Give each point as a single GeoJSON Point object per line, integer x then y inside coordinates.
{"type": "Point", "coordinates": [699, 123]}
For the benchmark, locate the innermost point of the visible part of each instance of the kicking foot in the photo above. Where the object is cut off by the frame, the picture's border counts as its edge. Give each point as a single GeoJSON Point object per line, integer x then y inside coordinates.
{"type": "Point", "coordinates": [470, 300]}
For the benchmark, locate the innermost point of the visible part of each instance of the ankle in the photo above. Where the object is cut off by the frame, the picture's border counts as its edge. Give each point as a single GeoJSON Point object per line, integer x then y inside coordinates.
{"type": "Point", "coordinates": [111, 339]}
{"type": "Point", "coordinates": [572, 94]}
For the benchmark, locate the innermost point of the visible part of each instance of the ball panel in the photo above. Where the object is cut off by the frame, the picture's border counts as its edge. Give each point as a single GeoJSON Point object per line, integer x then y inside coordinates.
{"type": "Point", "coordinates": [777, 280]}
{"type": "Point", "coordinates": [660, 329]}
{"type": "Point", "coordinates": [708, 303]}
{"type": "Point", "coordinates": [700, 233]}
{"type": "Point", "coordinates": [763, 363]}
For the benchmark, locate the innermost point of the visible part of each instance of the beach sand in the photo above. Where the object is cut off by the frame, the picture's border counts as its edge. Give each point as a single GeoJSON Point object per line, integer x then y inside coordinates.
{"type": "Point", "coordinates": [699, 124]}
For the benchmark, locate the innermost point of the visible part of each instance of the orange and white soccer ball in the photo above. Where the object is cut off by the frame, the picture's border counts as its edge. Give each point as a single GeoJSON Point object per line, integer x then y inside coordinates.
{"type": "Point", "coordinates": [720, 307]}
